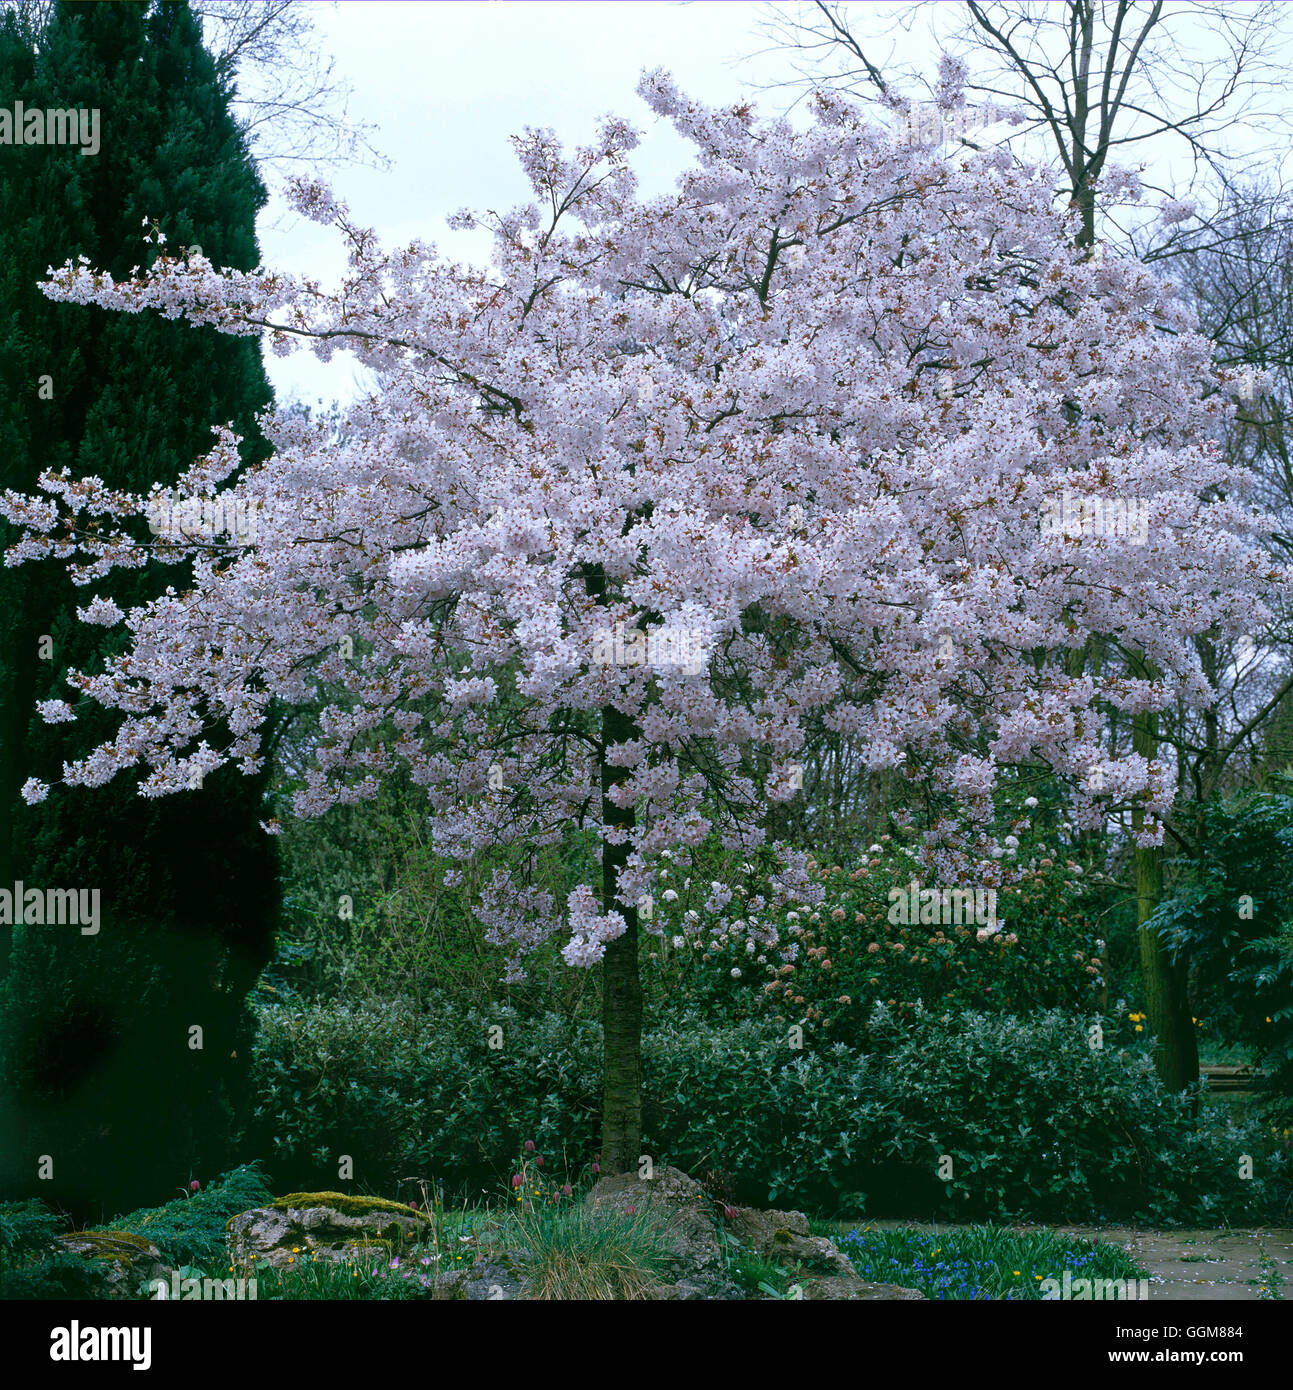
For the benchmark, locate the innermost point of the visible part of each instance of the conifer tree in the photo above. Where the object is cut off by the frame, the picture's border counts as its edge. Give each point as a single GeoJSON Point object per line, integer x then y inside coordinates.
{"type": "Point", "coordinates": [102, 1067]}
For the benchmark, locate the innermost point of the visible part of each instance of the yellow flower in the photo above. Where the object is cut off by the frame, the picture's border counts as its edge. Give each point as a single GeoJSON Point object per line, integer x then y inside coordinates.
{"type": "Point", "coordinates": [1139, 1029]}
{"type": "Point", "coordinates": [1015, 1272]}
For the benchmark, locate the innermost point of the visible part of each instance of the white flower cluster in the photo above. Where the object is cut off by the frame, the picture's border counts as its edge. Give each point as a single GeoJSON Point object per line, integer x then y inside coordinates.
{"type": "Point", "coordinates": [807, 409]}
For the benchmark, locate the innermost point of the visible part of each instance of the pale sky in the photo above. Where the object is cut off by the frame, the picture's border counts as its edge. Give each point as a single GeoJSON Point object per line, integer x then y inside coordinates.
{"type": "Point", "coordinates": [446, 82]}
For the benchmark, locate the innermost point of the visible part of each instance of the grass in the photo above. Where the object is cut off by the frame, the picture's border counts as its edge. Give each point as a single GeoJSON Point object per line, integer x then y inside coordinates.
{"type": "Point", "coordinates": [580, 1252]}
{"type": "Point", "coordinates": [755, 1275]}
{"type": "Point", "coordinates": [408, 1276]}
{"type": "Point", "coordinates": [980, 1262]}
{"type": "Point", "coordinates": [1272, 1277]}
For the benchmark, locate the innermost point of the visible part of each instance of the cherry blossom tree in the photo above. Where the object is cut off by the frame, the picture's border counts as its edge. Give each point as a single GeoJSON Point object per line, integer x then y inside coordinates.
{"type": "Point", "coordinates": [671, 484]}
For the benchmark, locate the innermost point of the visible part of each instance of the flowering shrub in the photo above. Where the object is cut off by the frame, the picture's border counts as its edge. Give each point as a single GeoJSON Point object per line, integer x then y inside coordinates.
{"type": "Point", "coordinates": [825, 965]}
{"type": "Point", "coordinates": [535, 1185]}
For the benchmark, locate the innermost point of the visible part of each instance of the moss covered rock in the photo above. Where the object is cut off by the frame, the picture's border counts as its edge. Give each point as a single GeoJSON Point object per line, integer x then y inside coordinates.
{"type": "Point", "coordinates": [323, 1225]}
{"type": "Point", "coordinates": [823, 1272]}
{"type": "Point", "coordinates": [117, 1264]}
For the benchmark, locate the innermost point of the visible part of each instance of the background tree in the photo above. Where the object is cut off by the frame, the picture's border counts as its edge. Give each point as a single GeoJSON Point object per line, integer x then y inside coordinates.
{"type": "Point", "coordinates": [289, 100]}
{"type": "Point", "coordinates": [100, 1067]}
{"type": "Point", "coordinates": [1098, 84]}
{"type": "Point", "coordinates": [283, 89]}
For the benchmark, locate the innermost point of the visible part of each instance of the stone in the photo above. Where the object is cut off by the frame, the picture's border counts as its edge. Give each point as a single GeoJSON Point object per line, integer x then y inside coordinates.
{"type": "Point", "coordinates": [117, 1264]}
{"type": "Point", "coordinates": [486, 1280]}
{"type": "Point", "coordinates": [328, 1225]}
{"type": "Point", "coordinates": [827, 1272]}
{"type": "Point", "coordinates": [820, 1288]}
{"type": "Point", "coordinates": [784, 1236]}
{"type": "Point", "coordinates": [694, 1267]}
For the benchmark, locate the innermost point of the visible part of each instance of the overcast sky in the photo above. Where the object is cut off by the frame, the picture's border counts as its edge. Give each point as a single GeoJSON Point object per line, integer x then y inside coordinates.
{"type": "Point", "coordinates": [446, 82]}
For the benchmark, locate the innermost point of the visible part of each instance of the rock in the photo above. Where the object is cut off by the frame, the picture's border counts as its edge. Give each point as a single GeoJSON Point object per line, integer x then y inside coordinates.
{"type": "Point", "coordinates": [830, 1286]}
{"type": "Point", "coordinates": [694, 1267]}
{"type": "Point", "coordinates": [117, 1264]}
{"type": "Point", "coordinates": [486, 1280]}
{"type": "Point", "coordinates": [828, 1273]}
{"type": "Point", "coordinates": [329, 1225]}
{"type": "Point", "coordinates": [784, 1236]}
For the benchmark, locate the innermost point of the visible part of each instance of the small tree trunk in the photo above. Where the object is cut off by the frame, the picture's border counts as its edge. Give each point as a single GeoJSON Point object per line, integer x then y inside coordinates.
{"type": "Point", "coordinates": [621, 987]}
{"type": "Point", "coordinates": [1176, 1055]}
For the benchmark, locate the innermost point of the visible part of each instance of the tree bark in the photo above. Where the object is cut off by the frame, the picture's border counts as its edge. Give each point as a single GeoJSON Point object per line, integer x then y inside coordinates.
{"type": "Point", "coordinates": [1176, 1055]}
{"type": "Point", "coordinates": [621, 987]}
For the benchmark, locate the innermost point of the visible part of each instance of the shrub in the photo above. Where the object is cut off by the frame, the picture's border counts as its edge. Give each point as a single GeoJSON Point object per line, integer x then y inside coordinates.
{"type": "Point", "coordinates": [1035, 1121]}
{"type": "Point", "coordinates": [1038, 1122]}
{"type": "Point", "coordinates": [1229, 917]}
{"type": "Point", "coordinates": [191, 1229]}
{"type": "Point", "coordinates": [419, 1093]}
{"type": "Point", "coordinates": [32, 1262]}
{"type": "Point", "coordinates": [834, 960]}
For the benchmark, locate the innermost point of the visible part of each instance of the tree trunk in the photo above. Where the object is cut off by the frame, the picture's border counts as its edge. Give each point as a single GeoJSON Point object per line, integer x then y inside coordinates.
{"type": "Point", "coordinates": [621, 987]}
{"type": "Point", "coordinates": [1176, 1055]}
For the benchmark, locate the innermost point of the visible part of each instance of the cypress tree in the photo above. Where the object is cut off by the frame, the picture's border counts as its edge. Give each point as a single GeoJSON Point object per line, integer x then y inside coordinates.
{"type": "Point", "coordinates": [101, 1068]}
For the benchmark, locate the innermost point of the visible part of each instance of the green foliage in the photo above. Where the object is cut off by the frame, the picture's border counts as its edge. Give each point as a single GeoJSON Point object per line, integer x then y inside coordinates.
{"type": "Point", "coordinates": [1231, 918]}
{"type": "Point", "coordinates": [372, 911]}
{"type": "Point", "coordinates": [359, 1280]}
{"type": "Point", "coordinates": [754, 1274]}
{"type": "Point", "coordinates": [188, 1231]}
{"type": "Point", "coordinates": [98, 1066]}
{"type": "Point", "coordinates": [981, 1262]}
{"type": "Point", "coordinates": [32, 1262]}
{"type": "Point", "coordinates": [423, 1093]}
{"type": "Point", "coordinates": [1037, 1122]}
{"type": "Point", "coordinates": [836, 959]}
{"type": "Point", "coordinates": [191, 1229]}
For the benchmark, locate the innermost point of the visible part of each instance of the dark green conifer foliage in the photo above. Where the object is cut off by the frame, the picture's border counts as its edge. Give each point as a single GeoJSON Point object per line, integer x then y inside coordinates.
{"type": "Point", "coordinates": [97, 1069]}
